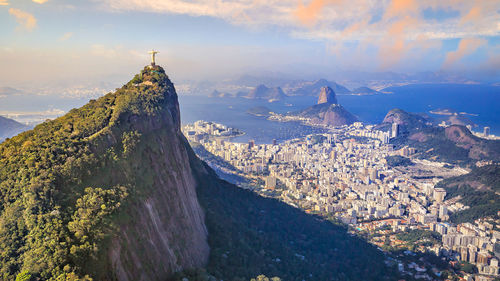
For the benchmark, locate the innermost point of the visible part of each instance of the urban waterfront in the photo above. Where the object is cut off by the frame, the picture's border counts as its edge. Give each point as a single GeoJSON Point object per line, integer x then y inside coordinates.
{"type": "Point", "coordinates": [345, 174]}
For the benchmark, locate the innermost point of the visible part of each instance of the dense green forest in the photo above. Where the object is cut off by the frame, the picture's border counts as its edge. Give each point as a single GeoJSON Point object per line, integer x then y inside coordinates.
{"type": "Point", "coordinates": [478, 190]}
{"type": "Point", "coordinates": [417, 237]}
{"type": "Point", "coordinates": [397, 160]}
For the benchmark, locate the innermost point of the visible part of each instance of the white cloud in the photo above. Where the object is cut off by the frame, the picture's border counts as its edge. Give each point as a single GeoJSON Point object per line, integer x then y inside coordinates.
{"type": "Point", "coordinates": [252, 12]}
{"type": "Point", "coordinates": [331, 17]}
{"type": "Point", "coordinates": [66, 36]}
{"type": "Point", "coordinates": [393, 27]}
{"type": "Point", "coordinates": [465, 47]}
{"type": "Point", "coordinates": [26, 19]}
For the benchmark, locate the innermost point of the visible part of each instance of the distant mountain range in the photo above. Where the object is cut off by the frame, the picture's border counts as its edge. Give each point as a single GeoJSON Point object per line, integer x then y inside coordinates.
{"type": "Point", "coordinates": [364, 91]}
{"type": "Point", "coordinates": [314, 88]}
{"type": "Point", "coordinates": [10, 128]}
{"type": "Point", "coordinates": [279, 91]}
{"type": "Point", "coordinates": [292, 83]}
{"type": "Point", "coordinates": [8, 91]}
{"type": "Point", "coordinates": [264, 92]}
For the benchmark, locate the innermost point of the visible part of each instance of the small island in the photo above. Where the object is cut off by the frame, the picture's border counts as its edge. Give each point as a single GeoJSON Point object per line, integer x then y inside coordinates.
{"type": "Point", "coordinates": [260, 111]}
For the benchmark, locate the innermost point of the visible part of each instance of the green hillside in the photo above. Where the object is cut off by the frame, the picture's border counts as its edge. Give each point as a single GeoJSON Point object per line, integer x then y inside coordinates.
{"type": "Point", "coordinates": [478, 189]}
{"type": "Point", "coordinates": [453, 144]}
{"type": "Point", "coordinates": [61, 183]}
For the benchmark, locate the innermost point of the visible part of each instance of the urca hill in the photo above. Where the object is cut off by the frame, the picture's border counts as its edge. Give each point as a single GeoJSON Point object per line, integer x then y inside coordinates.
{"type": "Point", "coordinates": [113, 191]}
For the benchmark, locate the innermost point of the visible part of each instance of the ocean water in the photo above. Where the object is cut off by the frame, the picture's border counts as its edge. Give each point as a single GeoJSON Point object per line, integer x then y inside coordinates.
{"type": "Point", "coordinates": [482, 101]}
{"type": "Point", "coordinates": [232, 112]}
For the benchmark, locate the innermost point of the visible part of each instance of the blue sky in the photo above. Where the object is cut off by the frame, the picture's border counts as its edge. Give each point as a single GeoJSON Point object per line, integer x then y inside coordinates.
{"type": "Point", "coordinates": [48, 40]}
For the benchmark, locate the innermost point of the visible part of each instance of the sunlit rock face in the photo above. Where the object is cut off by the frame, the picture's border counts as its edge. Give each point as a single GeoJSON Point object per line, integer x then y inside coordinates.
{"type": "Point", "coordinates": [327, 95]}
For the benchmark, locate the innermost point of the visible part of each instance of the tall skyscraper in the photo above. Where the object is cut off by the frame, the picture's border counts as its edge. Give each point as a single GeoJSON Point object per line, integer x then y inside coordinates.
{"type": "Point", "coordinates": [251, 144]}
{"type": "Point", "coordinates": [270, 182]}
{"type": "Point", "coordinates": [395, 130]}
{"type": "Point", "coordinates": [329, 139]}
{"type": "Point", "coordinates": [373, 174]}
{"type": "Point", "coordinates": [386, 137]}
{"type": "Point", "coordinates": [443, 211]}
{"type": "Point", "coordinates": [486, 131]}
{"type": "Point", "coordinates": [439, 194]}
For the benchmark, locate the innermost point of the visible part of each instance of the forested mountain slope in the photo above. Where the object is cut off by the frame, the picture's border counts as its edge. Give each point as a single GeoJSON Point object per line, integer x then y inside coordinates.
{"type": "Point", "coordinates": [105, 191]}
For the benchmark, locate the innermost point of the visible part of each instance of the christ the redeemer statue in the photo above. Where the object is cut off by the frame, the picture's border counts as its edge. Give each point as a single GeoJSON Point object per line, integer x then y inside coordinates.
{"type": "Point", "coordinates": [153, 54]}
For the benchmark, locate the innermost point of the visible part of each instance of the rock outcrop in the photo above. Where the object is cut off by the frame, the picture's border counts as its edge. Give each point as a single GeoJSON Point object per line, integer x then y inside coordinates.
{"type": "Point", "coordinates": [168, 233]}
{"type": "Point", "coordinates": [327, 95]}
{"type": "Point", "coordinates": [327, 112]}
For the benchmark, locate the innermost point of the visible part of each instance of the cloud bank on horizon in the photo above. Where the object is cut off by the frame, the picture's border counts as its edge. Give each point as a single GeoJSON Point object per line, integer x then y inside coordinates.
{"type": "Point", "coordinates": [395, 26]}
{"type": "Point", "coordinates": [384, 34]}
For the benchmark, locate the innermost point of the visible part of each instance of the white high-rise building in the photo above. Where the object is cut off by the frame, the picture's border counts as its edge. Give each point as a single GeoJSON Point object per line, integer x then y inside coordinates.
{"type": "Point", "coordinates": [395, 130]}
{"type": "Point", "coordinates": [443, 211]}
{"type": "Point", "coordinates": [270, 182]}
{"type": "Point", "coordinates": [439, 194]}
{"type": "Point", "coordinates": [486, 131]}
{"type": "Point", "coordinates": [385, 137]}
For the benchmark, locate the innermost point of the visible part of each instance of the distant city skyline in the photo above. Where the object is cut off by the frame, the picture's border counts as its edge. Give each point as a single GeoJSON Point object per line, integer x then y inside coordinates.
{"type": "Point", "coordinates": [44, 41]}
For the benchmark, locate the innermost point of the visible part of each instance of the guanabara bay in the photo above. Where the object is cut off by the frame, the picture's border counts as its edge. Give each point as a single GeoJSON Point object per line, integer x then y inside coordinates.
{"type": "Point", "coordinates": [113, 191]}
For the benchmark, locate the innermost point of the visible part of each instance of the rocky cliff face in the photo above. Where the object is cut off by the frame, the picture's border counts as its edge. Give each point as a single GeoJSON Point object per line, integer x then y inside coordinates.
{"type": "Point", "coordinates": [167, 233]}
{"type": "Point", "coordinates": [327, 95]}
{"type": "Point", "coordinates": [113, 195]}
